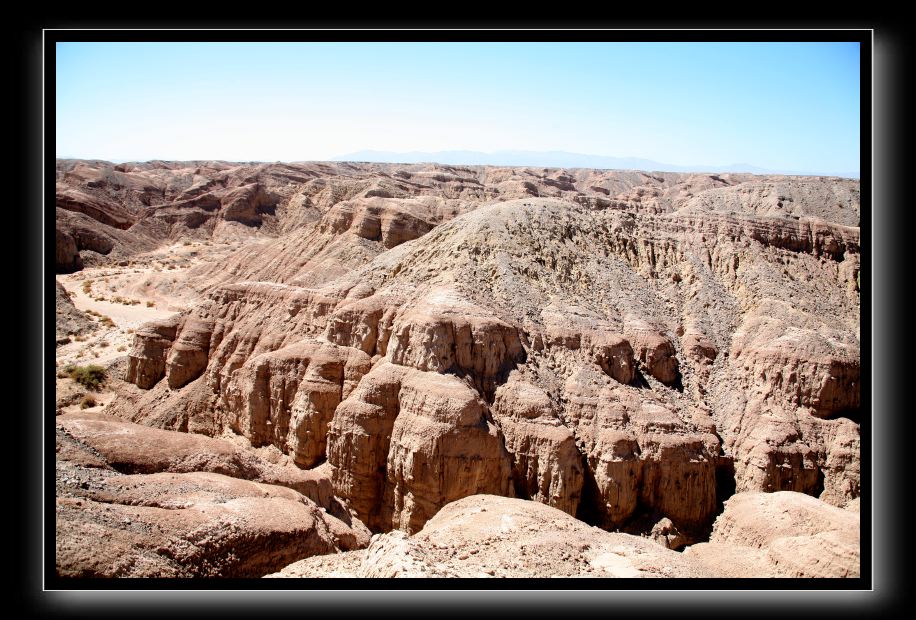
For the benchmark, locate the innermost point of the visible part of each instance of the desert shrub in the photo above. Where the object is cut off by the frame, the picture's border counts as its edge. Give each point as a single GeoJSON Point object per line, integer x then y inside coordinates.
{"type": "Point", "coordinates": [90, 377]}
{"type": "Point", "coordinates": [88, 401]}
{"type": "Point", "coordinates": [122, 348]}
{"type": "Point", "coordinates": [87, 286]}
{"type": "Point", "coordinates": [150, 304]}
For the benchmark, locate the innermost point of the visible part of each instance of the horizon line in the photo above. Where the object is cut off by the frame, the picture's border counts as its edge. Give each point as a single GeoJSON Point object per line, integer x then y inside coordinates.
{"type": "Point", "coordinates": [339, 160]}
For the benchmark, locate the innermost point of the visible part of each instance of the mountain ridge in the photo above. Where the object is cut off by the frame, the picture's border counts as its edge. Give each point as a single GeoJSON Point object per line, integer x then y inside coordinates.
{"type": "Point", "coordinates": [558, 159]}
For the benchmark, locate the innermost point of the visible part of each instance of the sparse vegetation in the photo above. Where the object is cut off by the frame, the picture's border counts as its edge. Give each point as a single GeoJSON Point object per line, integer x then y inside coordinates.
{"type": "Point", "coordinates": [90, 377]}
{"type": "Point", "coordinates": [150, 304]}
{"type": "Point", "coordinates": [122, 348]}
{"type": "Point", "coordinates": [88, 401]}
{"type": "Point", "coordinates": [87, 286]}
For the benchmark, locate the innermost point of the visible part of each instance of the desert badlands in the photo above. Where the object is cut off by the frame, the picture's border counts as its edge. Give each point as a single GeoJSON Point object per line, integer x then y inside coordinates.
{"type": "Point", "coordinates": [381, 370]}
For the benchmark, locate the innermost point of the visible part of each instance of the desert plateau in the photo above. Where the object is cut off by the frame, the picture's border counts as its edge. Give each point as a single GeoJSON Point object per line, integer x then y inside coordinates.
{"type": "Point", "coordinates": [345, 369]}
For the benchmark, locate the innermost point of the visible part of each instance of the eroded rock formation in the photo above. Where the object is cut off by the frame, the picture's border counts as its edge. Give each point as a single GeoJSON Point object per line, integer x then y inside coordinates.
{"type": "Point", "coordinates": [626, 348]}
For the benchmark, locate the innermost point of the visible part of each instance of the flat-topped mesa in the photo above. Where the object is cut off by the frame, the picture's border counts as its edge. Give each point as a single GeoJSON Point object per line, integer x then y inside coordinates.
{"type": "Point", "coordinates": [430, 436]}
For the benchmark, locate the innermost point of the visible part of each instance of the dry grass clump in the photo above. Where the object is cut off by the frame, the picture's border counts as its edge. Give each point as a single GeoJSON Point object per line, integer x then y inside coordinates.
{"type": "Point", "coordinates": [90, 377]}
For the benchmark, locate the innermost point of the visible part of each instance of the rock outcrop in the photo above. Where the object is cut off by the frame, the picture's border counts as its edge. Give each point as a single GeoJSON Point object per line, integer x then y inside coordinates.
{"type": "Point", "coordinates": [487, 536]}
{"type": "Point", "coordinates": [179, 518]}
{"type": "Point", "coordinates": [407, 442]}
{"type": "Point", "coordinates": [70, 321]}
{"type": "Point", "coordinates": [627, 348]}
{"type": "Point", "coordinates": [782, 534]}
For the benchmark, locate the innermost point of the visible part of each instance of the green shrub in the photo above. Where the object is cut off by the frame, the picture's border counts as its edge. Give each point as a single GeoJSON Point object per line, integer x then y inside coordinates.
{"type": "Point", "coordinates": [91, 377]}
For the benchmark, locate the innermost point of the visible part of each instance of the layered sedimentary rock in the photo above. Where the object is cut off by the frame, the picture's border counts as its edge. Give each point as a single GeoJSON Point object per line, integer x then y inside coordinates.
{"type": "Point", "coordinates": [146, 364]}
{"type": "Point", "coordinates": [178, 518]}
{"type": "Point", "coordinates": [103, 210]}
{"type": "Point", "coordinates": [70, 321]}
{"type": "Point", "coordinates": [627, 350]}
{"type": "Point", "coordinates": [406, 442]}
{"type": "Point", "coordinates": [138, 449]}
{"type": "Point", "coordinates": [547, 465]}
{"type": "Point", "coordinates": [288, 397]}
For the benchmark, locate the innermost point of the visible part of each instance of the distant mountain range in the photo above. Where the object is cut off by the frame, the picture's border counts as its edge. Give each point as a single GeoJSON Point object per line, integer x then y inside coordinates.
{"type": "Point", "coordinates": [541, 159]}
{"type": "Point", "coordinates": [554, 159]}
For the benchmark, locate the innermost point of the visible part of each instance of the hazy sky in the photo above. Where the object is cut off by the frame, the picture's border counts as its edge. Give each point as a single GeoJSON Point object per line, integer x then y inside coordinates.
{"type": "Point", "coordinates": [774, 105]}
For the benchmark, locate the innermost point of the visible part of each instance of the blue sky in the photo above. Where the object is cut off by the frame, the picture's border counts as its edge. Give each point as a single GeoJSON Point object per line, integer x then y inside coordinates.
{"type": "Point", "coordinates": [774, 105]}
